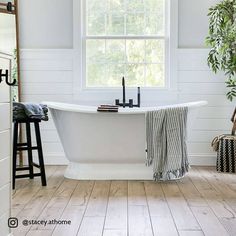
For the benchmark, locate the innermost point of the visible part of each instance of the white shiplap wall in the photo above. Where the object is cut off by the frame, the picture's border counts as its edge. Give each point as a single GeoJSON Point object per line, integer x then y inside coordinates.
{"type": "Point", "coordinates": [197, 82]}
{"type": "Point", "coordinates": [5, 151]}
{"type": "Point", "coordinates": [47, 75]}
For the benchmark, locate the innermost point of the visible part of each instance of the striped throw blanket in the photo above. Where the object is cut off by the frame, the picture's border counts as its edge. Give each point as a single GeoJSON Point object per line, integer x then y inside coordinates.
{"type": "Point", "coordinates": [166, 142]}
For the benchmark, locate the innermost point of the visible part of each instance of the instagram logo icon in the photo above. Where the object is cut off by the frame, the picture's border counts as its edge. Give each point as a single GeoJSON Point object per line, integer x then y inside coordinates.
{"type": "Point", "coordinates": [12, 222]}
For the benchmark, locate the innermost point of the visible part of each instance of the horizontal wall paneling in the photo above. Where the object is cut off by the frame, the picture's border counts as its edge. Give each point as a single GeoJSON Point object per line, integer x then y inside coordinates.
{"type": "Point", "coordinates": [48, 76]}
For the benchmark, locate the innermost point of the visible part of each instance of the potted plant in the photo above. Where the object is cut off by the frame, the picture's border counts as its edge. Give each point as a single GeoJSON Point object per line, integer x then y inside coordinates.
{"type": "Point", "coordinates": [222, 41]}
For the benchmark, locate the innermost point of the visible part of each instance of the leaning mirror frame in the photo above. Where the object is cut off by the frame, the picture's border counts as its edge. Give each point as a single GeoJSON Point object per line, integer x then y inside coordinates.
{"type": "Point", "coordinates": [11, 7]}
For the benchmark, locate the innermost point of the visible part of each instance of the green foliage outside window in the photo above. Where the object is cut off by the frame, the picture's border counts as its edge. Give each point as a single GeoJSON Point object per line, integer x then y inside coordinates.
{"type": "Point", "coordinates": [121, 42]}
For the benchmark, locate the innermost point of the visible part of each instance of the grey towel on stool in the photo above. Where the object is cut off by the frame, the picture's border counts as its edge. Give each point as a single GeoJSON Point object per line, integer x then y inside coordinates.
{"type": "Point", "coordinates": [30, 110]}
{"type": "Point", "coordinates": [166, 142]}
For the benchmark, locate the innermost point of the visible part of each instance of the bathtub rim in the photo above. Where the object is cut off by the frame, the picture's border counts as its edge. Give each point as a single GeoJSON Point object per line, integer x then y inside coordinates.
{"type": "Point", "coordinates": [93, 109]}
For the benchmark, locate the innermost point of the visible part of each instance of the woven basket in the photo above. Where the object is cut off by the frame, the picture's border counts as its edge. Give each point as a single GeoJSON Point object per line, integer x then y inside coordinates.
{"type": "Point", "coordinates": [225, 146]}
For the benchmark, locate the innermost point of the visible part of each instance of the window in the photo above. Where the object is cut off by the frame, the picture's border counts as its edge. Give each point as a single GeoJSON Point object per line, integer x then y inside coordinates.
{"type": "Point", "coordinates": [124, 38]}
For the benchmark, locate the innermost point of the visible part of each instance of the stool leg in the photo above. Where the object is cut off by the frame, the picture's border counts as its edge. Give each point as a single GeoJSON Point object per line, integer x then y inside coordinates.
{"type": "Point", "coordinates": [14, 154]}
{"type": "Point", "coordinates": [40, 153]}
{"type": "Point", "coordinates": [30, 155]}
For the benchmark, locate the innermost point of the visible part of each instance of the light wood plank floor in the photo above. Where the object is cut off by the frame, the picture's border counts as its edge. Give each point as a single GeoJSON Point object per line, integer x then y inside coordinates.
{"type": "Point", "coordinates": [202, 203]}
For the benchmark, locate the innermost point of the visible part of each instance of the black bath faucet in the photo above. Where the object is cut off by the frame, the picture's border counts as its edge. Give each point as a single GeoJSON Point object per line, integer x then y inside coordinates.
{"type": "Point", "coordinates": [130, 103]}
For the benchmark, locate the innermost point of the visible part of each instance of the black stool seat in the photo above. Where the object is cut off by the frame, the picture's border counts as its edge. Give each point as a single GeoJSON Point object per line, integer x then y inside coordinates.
{"type": "Point", "coordinates": [27, 146]}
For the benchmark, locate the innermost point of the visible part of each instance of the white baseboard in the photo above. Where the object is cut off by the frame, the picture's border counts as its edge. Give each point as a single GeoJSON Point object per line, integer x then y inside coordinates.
{"type": "Point", "coordinates": [55, 159]}
{"type": "Point", "coordinates": [194, 159]}
{"type": "Point", "coordinates": [202, 159]}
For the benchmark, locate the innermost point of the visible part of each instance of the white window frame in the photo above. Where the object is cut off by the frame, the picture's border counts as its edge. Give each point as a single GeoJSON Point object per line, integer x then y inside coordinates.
{"type": "Point", "coordinates": [108, 94]}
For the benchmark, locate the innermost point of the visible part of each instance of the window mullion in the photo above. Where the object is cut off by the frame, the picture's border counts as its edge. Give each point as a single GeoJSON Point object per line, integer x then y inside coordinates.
{"type": "Point", "coordinates": [124, 37]}
{"type": "Point", "coordinates": [107, 66]}
{"type": "Point", "coordinates": [125, 33]}
{"type": "Point", "coordinates": [145, 64]}
{"type": "Point", "coordinates": [145, 43]}
{"type": "Point", "coordinates": [125, 60]}
{"type": "Point", "coordinates": [125, 18]}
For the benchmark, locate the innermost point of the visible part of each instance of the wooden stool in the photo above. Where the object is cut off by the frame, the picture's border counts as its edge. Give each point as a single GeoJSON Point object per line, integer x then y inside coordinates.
{"type": "Point", "coordinates": [27, 146]}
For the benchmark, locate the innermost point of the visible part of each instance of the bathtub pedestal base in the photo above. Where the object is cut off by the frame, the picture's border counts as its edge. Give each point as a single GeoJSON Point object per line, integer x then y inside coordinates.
{"type": "Point", "coordinates": [116, 171]}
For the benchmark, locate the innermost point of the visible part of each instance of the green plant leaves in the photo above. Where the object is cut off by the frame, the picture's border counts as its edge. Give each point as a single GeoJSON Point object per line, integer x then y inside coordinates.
{"type": "Point", "coordinates": [222, 40]}
{"type": "Point", "coordinates": [231, 84]}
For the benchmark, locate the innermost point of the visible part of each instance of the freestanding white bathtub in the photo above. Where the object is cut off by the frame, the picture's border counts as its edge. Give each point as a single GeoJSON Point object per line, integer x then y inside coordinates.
{"type": "Point", "coordinates": [106, 145]}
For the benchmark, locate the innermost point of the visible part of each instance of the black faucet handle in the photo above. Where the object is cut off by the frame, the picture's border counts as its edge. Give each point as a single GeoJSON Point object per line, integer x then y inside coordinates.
{"type": "Point", "coordinates": [139, 97]}
{"type": "Point", "coordinates": [117, 102]}
{"type": "Point", "coordinates": [130, 102]}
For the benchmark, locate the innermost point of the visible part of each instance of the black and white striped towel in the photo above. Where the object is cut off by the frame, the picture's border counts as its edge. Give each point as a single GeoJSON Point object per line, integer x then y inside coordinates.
{"type": "Point", "coordinates": [166, 142]}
